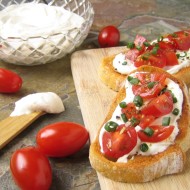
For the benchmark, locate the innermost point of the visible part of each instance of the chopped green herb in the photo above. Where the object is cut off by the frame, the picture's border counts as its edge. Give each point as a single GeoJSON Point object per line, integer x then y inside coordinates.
{"type": "Point", "coordinates": [122, 104]}
{"type": "Point", "coordinates": [175, 111]}
{"type": "Point", "coordinates": [111, 126]}
{"type": "Point", "coordinates": [124, 63]}
{"type": "Point", "coordinates": [148, 131]}
{"type": "Point", "coordinates": [160, 38]}
{"type": "Point", "coordinates": [146, 44]}
{"type": "Point", "coordinates": [134, 121]}
{"type": "Point", "coordinates": [154, 50]}
{"type": "Point", "coordinates": [144, 147]}
{"type": "Point", "coordinates": [145, 56]}
{"type": "Point", "coordinates": [151, 84]}
{"type": "Point", "coordinates": [124, 118]}
{"type": "Point", "coordinates": [133, 81]}
{"type": "Point", "coordinates": [166, 121]}
{"type": "Point", "coordinates": [139, 48]}
{"type": "Point", "coordinates": [130, 45]}
{"type": "Point", "coordinates": [138, 101]}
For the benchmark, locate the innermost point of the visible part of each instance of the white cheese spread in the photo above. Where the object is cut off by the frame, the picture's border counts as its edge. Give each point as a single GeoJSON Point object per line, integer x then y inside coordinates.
{"type": "Point", "coordinates": [36, 19]}
{"type": "Point", "coordinates": [154, 148]}
{"type": "Point", "coordinates": [45, 101]}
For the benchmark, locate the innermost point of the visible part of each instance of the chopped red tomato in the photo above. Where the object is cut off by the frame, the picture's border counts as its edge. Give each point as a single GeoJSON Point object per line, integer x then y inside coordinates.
{"type": "Point", "coordinates": [131, 111]}
{"type": "Point", "coordinates": [139, 40]}
{"type": "Point", "coordinates": [154, 59]}
{"type": "Point", "coordinates": [146, 120]}
{"type": "Point", "coordinates": [150, 85]}
{"type": "Point", "coordinates": [160, 133]}
{"type": "Point", "coordinates": [171, 57]}
{"type": "Point", "coordinates": [166, 45]}
{"type": "Point", "coordinates": [159, 106]}
{"type": "Point", "coordinates": [180, 39]}
{"type": "Point", "coordinates": [132, 54]}
{"type": "Point", "coordinates": [120, 142]}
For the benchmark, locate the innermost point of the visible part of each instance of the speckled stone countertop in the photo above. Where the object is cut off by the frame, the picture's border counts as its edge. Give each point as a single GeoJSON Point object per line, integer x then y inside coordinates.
{"type": "Point", "coordinates": [147, 17]}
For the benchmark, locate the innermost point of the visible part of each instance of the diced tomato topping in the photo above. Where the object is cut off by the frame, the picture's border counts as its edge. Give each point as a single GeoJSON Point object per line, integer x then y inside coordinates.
{"type": "Point", "coordinates": [146, 120]}
{"type": "Point", "coordinates": [150, 84]}
{"type": "Point", "coordinates": [120, 142]}
{"type": "Point", "coordinates": [160, 133]}
{"type": "Point", "coordinates": [159, 106]}
{"type": "Point", "coordinates": [131, 111]}
{"type": "Point", "coordinates": [148, 58]}
{"type": "Point", "coordinates": [180, 39]}
{"type": "Point", "coordinates": [132, 54]}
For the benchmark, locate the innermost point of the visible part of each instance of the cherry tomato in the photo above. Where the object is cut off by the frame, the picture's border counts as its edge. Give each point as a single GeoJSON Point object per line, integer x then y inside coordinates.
{"type": "Point", "coordinates": [150, 85]}
{"type": "Point", "coordinates": [159, 106]}
{"type": "Point", "coordinates": [61, 139]}
{"type": "Point", "coordinates": [109, 37]}
{"type": "Point", "coordinates": [31, 169]}
{"type": "Point", "coordinates": [10, 82]}
{"type": "Point", "coordinates": [160, 133]}
{"type": "Point", "coordinates": [120, 142]}
{"type": "Point", "coordinates": [180, 39]}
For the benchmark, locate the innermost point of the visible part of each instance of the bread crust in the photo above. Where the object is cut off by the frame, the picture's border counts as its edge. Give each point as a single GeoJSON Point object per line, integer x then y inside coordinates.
{"type": "Point", "coordinates": [146, 168]}
{"type": "Point", "coordinates": [114, 80]}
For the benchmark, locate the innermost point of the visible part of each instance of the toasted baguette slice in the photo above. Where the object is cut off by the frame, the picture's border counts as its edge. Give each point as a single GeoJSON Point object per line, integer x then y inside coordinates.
{"type": "Point", "coordinates": [114, 80]}
{"type": "Point", "coordinates": [146, 168]}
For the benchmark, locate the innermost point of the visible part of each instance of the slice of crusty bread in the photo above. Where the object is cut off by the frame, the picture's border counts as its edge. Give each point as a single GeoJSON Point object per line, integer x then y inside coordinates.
{"type": "Point", "coordinates": [114, 80]}
{"type": "Point", "coordinates": [146, 168]}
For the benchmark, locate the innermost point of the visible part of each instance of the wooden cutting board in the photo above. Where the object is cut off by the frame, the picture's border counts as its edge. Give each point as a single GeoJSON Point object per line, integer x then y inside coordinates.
{"type": "Point", "coordinates": [94, 99]}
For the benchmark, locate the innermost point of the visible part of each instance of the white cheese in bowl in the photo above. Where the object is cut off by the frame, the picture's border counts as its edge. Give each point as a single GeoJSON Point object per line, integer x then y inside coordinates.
{"type": "Point", "coordinates": [36, 19]}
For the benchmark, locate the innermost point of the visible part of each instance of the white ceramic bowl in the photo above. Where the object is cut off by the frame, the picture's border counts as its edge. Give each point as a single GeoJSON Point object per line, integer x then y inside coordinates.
{"type": "Point", "coordinates": [40, 50]}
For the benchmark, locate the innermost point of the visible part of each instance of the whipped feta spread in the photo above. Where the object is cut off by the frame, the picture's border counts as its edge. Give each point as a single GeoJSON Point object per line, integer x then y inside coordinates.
{"type": "Point", "coordinates": [154, 148]}
{"type": "Point", "coordinates": [45, 101]}
{"type": "Point", "coordinates": [36, 19]}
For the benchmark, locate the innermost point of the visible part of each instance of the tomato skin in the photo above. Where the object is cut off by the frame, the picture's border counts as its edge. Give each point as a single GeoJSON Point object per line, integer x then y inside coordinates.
{"type": "Point", "coordinates": [10, 82]}
{"type": "Point", "coordinates": [159, 106]}
{"type": "Point", "coordinates": [180, 39]}
{"type": "Point", "coordinates": [31, 169]}
{"type": "Point", "coordinates": [143, 89]}
{"type": "Point", "coordinates": [109, 36]}
{"type": "Point", "coordinates": [61, 139]}
{"type": "Point", "coordinates": [160, 133]}
{"type": "Point", "coordinates": [117, 144]}
{"type": "Point", "coordinates": [148, 58]}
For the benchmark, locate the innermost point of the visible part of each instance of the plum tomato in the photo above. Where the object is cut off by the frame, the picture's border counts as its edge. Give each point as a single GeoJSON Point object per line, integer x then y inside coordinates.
{"type": "Point", "coordinates": [31, 169]}
{"type": "Point", "coordinates": [10, 82]}
{"type": "Point", "coordinates": [109, 36]}
{"type": "Point", "coordinates": [61, 139]}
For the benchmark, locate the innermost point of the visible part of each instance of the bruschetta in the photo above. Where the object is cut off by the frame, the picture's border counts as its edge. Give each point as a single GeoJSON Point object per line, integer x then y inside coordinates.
{"type": "Point", "coordinates": [146, 132]}
{"type": "Point", "coordinates": [170, 52]}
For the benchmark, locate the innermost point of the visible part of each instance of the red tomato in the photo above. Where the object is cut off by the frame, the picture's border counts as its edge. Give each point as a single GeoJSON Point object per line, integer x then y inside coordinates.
{"type": "Point", "coordinates": [146, 120]}
{"type": "Point", "coordinates": [10, 82]}
{"type": "Point", "coordinates": [132, 54]}
{"type": "Point", "coordinates": [160, 133]}
{"type": "Point", "coordinates": [109, 37]}
{"type": "Point", "coordinates": [120, 142]}
{"type": "Point", "coordinates": [31, 169]}
{"type": "Point", "coordinates": [159, 106]}
{"type": "Point", "coordinates": [147, 58]}
{"type": "Point", "coordinates": [180, 39]}
{"type": "Point", "coordinates": [61, 139]}
{"type": "Point", "coordinates": [144, 90]}
{"type": "Point", "coordinates": [171, 57]}
{"type": "Point", "coordinates": [131, 111]}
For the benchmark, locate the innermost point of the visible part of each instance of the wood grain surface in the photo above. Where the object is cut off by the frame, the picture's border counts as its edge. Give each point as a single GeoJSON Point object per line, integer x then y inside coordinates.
{"type": "Point", "coordinates": [94, 99]}
{"type": "Point", "coordinates": [10, 127]}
